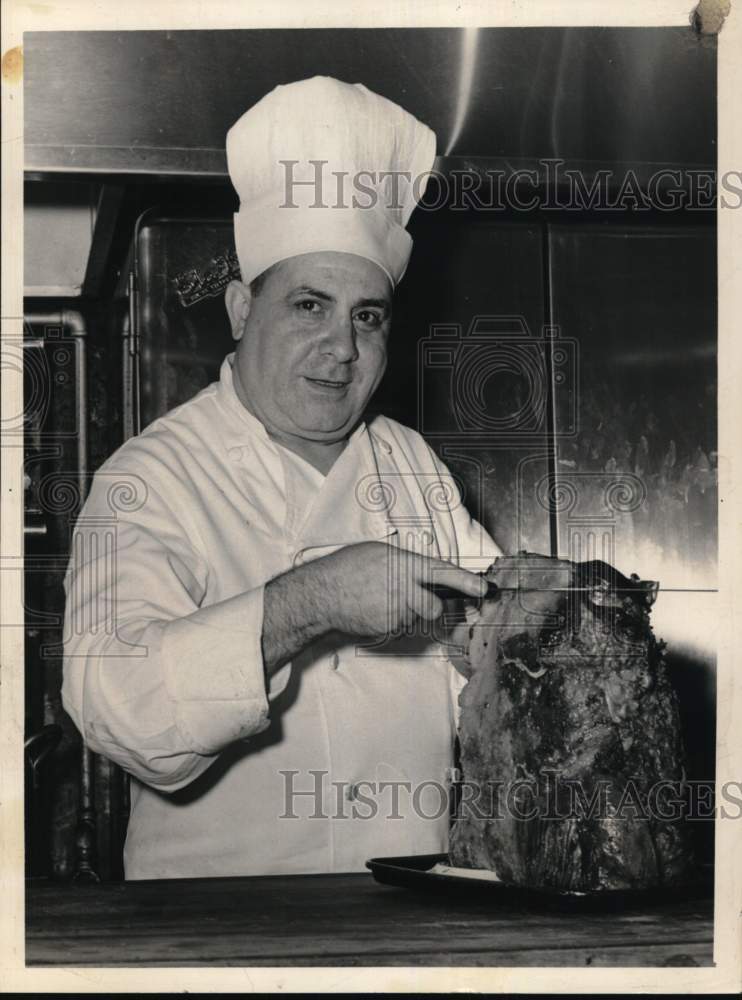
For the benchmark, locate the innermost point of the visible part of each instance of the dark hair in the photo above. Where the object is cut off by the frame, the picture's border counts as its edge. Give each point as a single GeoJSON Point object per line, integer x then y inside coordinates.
{"type": "Point", "coordinates": [256, 285]}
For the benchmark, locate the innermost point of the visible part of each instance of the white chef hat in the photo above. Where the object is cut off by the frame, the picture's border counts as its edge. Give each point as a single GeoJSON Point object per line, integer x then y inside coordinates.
{"type": "Point", "coordinates": [324, 165]}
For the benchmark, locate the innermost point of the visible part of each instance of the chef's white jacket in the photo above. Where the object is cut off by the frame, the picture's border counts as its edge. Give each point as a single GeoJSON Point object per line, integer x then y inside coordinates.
{"type": "Point", "coordinates": [346, 755]}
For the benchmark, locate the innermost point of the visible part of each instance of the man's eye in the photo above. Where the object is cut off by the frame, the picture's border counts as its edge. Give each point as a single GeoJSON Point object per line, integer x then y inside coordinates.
{"type": "Point", "coordinates": [309, 306]}
{"type": "Point", "coordinates": [368, 318]}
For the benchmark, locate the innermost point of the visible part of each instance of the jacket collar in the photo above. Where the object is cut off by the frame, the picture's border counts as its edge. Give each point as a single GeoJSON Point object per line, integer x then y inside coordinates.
{"type": "Point", "coordinates": [352, 505]}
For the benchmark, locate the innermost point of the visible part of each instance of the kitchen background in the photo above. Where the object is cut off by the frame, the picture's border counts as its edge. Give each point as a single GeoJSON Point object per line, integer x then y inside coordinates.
{"type": "Point", "coordinates": [561, 358]}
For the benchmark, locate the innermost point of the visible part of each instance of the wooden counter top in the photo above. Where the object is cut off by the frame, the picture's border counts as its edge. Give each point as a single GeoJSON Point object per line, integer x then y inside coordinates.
{"type": "Point", "coordinates": [307, 920]}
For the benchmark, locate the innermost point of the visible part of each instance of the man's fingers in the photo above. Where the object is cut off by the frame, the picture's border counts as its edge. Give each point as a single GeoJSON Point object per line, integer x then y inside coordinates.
{"type": "Point", "coordinates": [425, 604]}
{"type": "Point", "coordinates": [449, 577]}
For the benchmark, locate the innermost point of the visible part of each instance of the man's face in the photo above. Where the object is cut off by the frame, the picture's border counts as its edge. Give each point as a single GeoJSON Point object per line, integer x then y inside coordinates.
{"type": "Point", "coordinates": [313, 346]}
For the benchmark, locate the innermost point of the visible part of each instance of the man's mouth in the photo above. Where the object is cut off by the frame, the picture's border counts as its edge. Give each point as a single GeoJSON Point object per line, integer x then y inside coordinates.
{"type": "Point", "coordinates": [328, 383]}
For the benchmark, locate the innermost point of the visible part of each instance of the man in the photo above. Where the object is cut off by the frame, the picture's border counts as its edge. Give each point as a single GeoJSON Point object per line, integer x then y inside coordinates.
{"type": "Point", "coordinates": [230, 647]}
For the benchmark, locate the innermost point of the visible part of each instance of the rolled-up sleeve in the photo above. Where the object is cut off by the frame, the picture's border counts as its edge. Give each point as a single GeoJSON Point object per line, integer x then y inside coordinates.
{"type": "Point", "coordinates": [154, 678]}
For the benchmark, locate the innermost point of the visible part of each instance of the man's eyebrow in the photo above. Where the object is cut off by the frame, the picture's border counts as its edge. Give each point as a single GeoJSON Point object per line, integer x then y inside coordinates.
{"type": "Point", "coordinates": [307, 290]}
{"type": "Point", "coordinates": [326, 297]}
{"type": "Point", "coordinates": [379, 303]}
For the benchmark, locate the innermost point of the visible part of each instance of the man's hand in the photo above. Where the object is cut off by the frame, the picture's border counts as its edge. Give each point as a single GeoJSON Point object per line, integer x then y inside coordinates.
{"type": "Point", "coordinates": [369, 589]}
{"type": "Point", "coordinates": [374, 589]}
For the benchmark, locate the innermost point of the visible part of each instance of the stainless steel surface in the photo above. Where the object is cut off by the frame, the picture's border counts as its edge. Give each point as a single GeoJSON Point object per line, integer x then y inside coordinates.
{"type": "Point", "coordinates": [638, 475]}
{"type": "Point", "coordinates": [179, 331]}
{"type": "Point", "coordinates": [470, 309]}
{"type": "Point", "coordinates": [160, 102]}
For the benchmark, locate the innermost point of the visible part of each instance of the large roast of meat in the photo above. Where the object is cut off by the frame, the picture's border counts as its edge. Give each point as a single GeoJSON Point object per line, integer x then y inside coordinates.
{"type": "Point", "coordinates": [571, 752]}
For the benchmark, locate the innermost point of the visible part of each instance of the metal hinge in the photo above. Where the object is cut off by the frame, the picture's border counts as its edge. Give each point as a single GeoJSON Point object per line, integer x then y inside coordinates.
{"type": "Point", "coordinates": [130, 375]}
{"type": "Point", "coordinates": [133, 313]}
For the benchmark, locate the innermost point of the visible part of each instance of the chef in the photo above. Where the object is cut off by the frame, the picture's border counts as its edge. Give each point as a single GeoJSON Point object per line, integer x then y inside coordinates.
{"type": "Point", "coordinates": [252, 628]}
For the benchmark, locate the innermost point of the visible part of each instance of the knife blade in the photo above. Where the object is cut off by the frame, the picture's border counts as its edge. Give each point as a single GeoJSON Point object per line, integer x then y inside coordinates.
{"type": "Point", "coordinates": [449, 594]}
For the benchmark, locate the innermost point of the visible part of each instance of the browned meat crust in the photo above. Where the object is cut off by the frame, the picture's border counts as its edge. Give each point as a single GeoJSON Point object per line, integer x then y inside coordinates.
{"type": "Point", "coordinates": [569, 707]}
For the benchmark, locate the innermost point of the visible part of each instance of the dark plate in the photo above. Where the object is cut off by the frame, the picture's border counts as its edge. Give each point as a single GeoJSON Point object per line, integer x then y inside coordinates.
{"type": "Point", "coordinates": [415, 873]}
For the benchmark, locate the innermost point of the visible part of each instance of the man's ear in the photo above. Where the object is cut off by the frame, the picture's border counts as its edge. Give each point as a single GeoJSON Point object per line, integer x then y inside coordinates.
{"type": "Point", "coordinates": [238, 301]}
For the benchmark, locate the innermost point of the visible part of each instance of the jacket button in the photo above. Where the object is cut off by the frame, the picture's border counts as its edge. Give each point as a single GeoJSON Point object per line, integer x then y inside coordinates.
{"type": "Point", "coordinates": [334, 661]}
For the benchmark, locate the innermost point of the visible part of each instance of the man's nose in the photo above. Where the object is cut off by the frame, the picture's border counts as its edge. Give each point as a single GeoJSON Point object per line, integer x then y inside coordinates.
{"type": "Point", "coordinates": [340, 341]}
